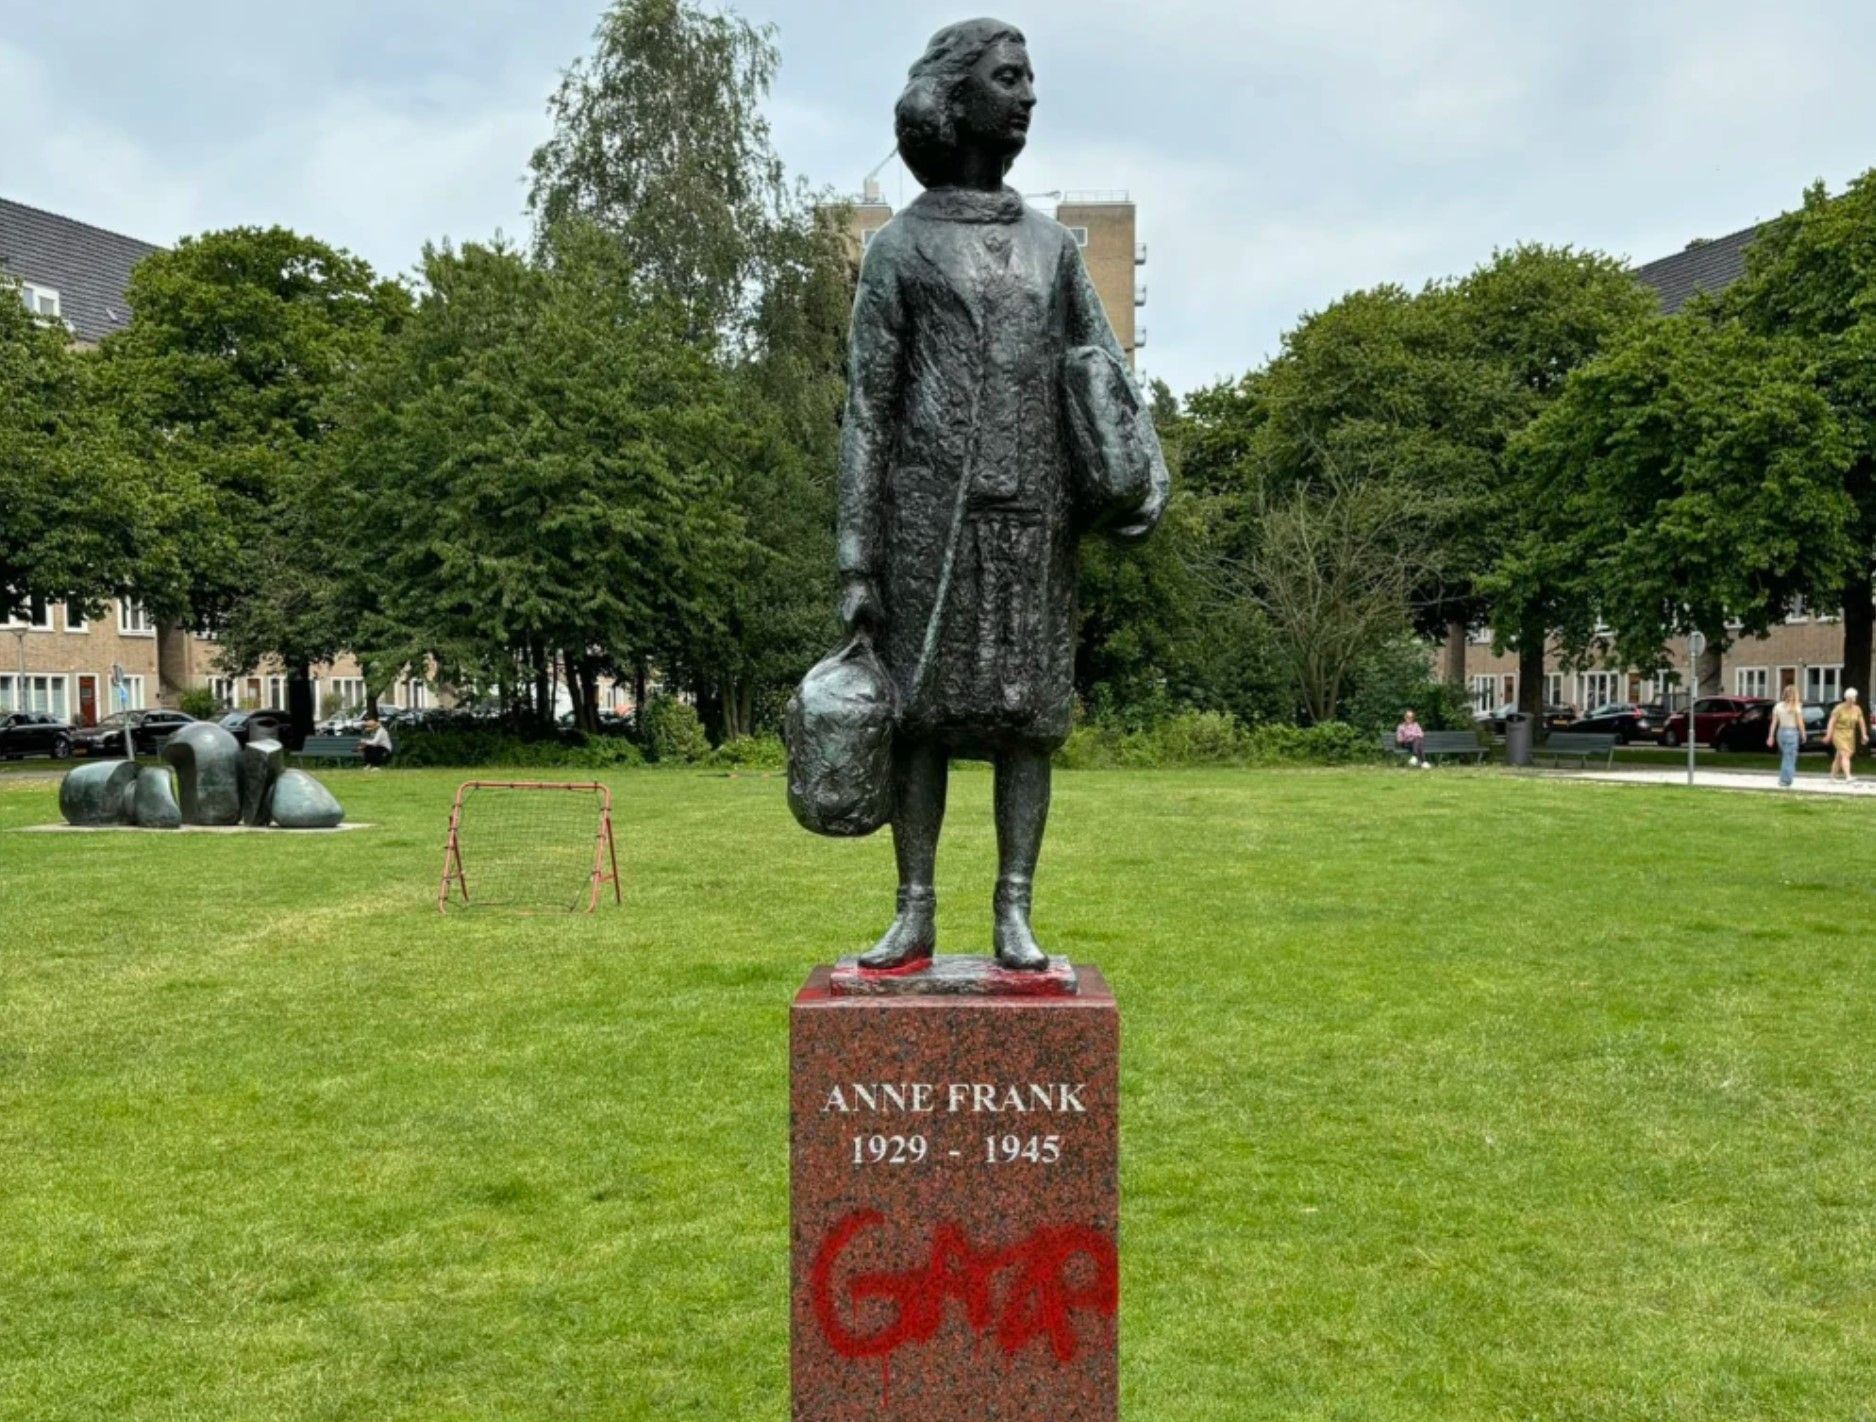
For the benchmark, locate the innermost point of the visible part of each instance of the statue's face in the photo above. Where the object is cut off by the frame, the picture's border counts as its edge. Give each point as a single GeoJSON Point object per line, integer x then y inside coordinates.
{"type": "Point", "coordinates": [995, 101]}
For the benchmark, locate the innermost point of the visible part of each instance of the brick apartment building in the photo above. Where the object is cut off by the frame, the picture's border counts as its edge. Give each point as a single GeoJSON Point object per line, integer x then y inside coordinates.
{"type": "Point", "coordinates": [1103, 224]}
{"type": "Point", "coordinates": [1807, 651]}
{"type": "Point", "coordinates": [54, 659]}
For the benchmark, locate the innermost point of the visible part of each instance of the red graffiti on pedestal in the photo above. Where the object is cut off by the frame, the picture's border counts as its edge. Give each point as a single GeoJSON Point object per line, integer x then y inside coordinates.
{"type": "Point", "coordinates": [1015, 1294]}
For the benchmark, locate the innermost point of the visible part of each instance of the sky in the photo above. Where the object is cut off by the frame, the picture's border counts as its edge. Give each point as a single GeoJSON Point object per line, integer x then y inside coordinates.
{"type": "Point", "coordinates": [1280, 152]}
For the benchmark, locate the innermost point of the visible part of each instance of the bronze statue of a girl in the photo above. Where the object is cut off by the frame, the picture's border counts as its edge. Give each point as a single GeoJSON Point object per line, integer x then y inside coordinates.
{"type": "Point", "coordinates": [984, 382]}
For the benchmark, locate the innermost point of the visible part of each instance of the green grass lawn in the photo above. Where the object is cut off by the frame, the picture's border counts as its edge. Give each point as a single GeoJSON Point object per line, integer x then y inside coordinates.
{"type": "Point", "coordinates": [1445, 1096]}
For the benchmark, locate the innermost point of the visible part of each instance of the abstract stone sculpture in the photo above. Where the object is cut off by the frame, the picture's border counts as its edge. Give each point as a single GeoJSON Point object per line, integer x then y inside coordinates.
{"type": "Point", "coordinates": [208, 768]}
{"type": "Point", "coordinates": [95, 794]}
{"type": "Point", "coordinates": [261, 764]}
{"type": "Point", "coordinates": [301, 802]}
{"type": "Point", "coordinates": [221, 782]}
{"type": "Point", "coordinates": [155, 804]}
{"type": "Point", "coordinates": [991, 423]}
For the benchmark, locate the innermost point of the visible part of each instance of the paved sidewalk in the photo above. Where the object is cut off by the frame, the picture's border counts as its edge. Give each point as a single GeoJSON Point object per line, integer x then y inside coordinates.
{"type": "Point", "coordinates": [1863, 787]}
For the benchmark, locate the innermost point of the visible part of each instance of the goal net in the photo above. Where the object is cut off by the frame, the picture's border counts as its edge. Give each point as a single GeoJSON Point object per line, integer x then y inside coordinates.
{"type": "Point", "coordinates": [530, 846]}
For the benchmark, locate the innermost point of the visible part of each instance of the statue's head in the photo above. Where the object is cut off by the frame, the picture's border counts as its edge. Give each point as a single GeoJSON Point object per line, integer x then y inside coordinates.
{"type": "Point", "coordinates": [972, 89]}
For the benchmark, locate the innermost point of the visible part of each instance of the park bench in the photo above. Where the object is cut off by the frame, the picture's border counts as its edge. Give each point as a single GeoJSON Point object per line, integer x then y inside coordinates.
{"type": "Point", "coordinates": [1441, 745]}
{"type": "Point", "coordinates": [333, 748]}
{"type": "Point", "coordinates": [1578, 746]}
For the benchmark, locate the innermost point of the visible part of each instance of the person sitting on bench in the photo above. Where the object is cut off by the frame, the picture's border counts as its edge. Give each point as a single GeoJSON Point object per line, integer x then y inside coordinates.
{"type": "Point", "coordinates": [1408, 736]}
{"type": "Point", "coordinates": [376, 746]}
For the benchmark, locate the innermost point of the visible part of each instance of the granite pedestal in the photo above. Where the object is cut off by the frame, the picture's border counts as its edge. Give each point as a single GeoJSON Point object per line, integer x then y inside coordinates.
{"type": "Point", "coordinates": [955, 1197]}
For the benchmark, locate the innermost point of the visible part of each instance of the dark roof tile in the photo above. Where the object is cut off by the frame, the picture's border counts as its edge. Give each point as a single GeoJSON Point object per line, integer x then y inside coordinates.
{"type": "Point", "coordinates": [1705, 266]}
{"type": "Point", "coordinates": [87, 266]}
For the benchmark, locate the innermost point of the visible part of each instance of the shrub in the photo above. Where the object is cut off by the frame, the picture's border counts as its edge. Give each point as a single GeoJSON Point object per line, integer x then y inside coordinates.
{"type": "Point", "coordinates": [199, 702]}
{"type": "Point", "coordinates": [670, 731]}
{"type": "Point", "coordinates": [419, 748]}
{"type": "Point", "coordinates": [1398, 675]}
{"type": "Point", "coordinates": [1212, 738]}
{"type": "Point", "coordinates": [748, 753]}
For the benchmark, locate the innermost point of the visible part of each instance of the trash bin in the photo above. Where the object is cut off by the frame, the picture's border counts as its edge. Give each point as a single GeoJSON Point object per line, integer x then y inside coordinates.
{"type": "Point", "coordinates": [1518, 739]}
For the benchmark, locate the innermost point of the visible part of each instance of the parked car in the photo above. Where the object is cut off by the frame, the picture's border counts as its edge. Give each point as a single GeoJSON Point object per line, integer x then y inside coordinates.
{"type": "Point", "coordinates": [147, 728]}
{"type": "Point", "coordinates": [1625, 720]}
{"type": "Point", "coordinates": [1555, 718]}
{"type": "Point", "coordinates": [34, 733]}
{"type": "Point", "coordinates": [271, 724]}
{"type": "Point", "coordinates": [1748, 732]}
{"type": "Point", "coordinates": [1711, 714]}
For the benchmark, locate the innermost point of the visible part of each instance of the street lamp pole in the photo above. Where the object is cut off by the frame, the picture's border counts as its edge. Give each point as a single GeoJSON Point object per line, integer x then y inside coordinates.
{"type": "Point", "coordinates": [19, 687]}
{"type": "Point", "coordinates": [1696, 645]}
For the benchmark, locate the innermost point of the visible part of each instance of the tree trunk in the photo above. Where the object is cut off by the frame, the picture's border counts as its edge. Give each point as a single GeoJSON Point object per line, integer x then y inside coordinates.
{"type": "Point", "coordinates": [300, 700]}
{"type": "Point", "coordinates": [1531, 644]}
{"type": "Point", "coordinates": [543, 690]}
{"type": "Point", "coordinates": [1859, 620]}
{"type": "Point", "coordinates": [1456, 655]}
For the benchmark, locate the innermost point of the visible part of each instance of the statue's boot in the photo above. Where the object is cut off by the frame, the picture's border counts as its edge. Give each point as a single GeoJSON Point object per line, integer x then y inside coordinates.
{"type": "Point", "coordinates": [913, 936]}
{"type": "Point", "coordinates": [1016, 943]}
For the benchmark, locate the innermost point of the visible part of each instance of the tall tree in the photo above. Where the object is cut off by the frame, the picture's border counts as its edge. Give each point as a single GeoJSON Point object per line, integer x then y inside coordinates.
{"type": "Point", "coordinates": [659, 138]}
{"type": "Point", "coordinates": [660, 141]}
{"type": "Point", "coordinates": [82, 521]}
{"type": "Point", "coordinates": [236, 340]}
{"type": "Point", "coordinates": [1537, 313]}
{"type": "Point", "coordinates": [1686, 480]}
{"type": "Point", "coordinates": [537, 472]}
{"type": "Point", "coordinates": [1811, 280]}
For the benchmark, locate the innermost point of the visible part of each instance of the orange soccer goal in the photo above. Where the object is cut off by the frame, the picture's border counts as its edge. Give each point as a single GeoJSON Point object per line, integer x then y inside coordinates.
{"type": "Point", "coordinates": [529, 845]}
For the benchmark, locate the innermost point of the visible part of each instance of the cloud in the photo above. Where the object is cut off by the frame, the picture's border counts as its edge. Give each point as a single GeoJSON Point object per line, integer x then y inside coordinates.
{"type": "Point", "coordinates": [1280, 153]}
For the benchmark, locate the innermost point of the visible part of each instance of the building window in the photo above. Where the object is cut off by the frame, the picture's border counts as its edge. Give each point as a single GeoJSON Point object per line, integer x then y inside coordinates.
{"type": "Point", "coordinates": [1752, 681]}
{"type": "Point", "coordinates": [1080, 234]}
{"type": "Point", "coordinates": [222, 688]}
{"type": "Point", "coordinates": [36, 614]}
{"type": "Point", "coordinates": [40, 300]}
{"type": "Point", "coordinates": [75, 619]}
{"type": "Point", "coordinates": [1484, 693]}
{"type": "Point", "coordinates": [133, 619]}
{"type": "Point", "coordinates": [48, 694]}
{"type": "Point", "coordinates": [347, 695]}
{"type": "Point", "coordinates": [416, 695]}
{"type": "Point", "coordinates": [1823, 683]}
{"type": "Point", "coordinates": [1598, 688]}
{"type": "Point", "coordinates": [1553, 689]}
{"type": "Point", "coordinates": [276, 691]}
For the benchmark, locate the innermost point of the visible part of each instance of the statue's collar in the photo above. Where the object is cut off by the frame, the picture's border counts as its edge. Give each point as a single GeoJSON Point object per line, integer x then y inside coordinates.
{"type": "Point", "coordinates": [969, 205]}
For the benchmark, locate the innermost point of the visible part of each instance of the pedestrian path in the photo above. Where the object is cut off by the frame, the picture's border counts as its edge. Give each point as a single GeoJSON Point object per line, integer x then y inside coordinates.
{"type": "Point", "coordinates": [1735, 780]}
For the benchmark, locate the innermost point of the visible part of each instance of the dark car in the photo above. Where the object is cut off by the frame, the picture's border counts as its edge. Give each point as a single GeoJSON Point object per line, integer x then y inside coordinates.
{"type": "Point", "coordinates": [34, 733]}
{"type": "Point", "coordinates": [1711, 715]}
{"type": "Point", "coordinates": [1625, 720]}
{"type": "Point", "coordinates": [271, 724]}
{"type": "Point", "coordinates": [147, 729]}
{"type": "Point", "coordinates": [1749, 731]}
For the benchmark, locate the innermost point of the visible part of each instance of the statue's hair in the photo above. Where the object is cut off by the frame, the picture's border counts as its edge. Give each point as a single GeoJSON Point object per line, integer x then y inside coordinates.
{"type": "Point", "coordinates": [926, 114]}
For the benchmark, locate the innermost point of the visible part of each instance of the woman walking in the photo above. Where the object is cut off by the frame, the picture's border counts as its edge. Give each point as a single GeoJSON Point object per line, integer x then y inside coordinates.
{"type": "Point", "coordinates": [1848, 729]}
{"type": "Point", "coordinates": [1787, 732]}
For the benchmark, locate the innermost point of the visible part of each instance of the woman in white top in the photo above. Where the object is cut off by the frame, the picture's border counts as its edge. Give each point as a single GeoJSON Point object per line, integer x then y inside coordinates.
{"type": "Point", "coordinates": [1787, 732]}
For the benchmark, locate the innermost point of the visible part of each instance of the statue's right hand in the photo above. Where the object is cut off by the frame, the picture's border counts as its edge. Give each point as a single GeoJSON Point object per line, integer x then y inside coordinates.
{"type": "Point", "coordinates": [861, 611]}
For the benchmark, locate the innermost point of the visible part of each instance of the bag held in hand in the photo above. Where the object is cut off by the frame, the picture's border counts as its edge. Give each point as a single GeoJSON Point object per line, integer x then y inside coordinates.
{"type": "Point", "coordinates": [838, 729]}
{"type": "Point", "coordinates": [1114, 450]}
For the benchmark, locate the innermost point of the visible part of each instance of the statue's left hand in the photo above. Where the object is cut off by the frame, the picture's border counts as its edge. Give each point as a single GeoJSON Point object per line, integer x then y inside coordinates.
{"type": "Point", "coordinates": [861, 611]}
